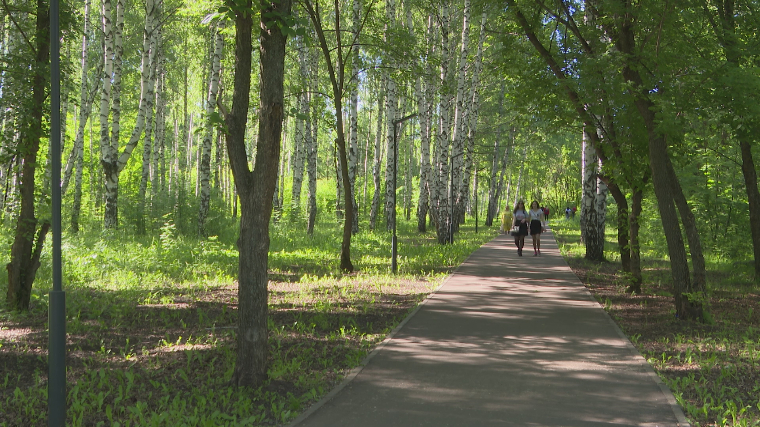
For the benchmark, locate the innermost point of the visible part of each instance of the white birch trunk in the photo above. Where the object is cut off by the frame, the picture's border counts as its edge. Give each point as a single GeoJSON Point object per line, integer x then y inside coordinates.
{"type": "Point", "coordinates": [205, 160]}
{"type": "Point", "coordinates": [440, 196]}
{"type": "Point", "coordinates": [150, 97]}
{"type": "Point", "coordinates": [311, 139]}
{"type": "Point", "coordinates": [588, 220]}
{"type": "Point", "coordinates": [377, 160]}
{"type": "Point", "coordinates": [600, 202]}
{"type": "Point", "coordinates": [105, 106]}
{"type": "Point", "coordinates": [471, 109]}
{"type": "Point", "coordinates": [391, 101]}
{"type": "Point", "coordinates": [520, 175]}
{"type": "Point", "coordinates": [460, 118]}
{"type": "Point", "coordinates": [353, 125]}
{"type": "Point", "coordinates": [299, 143]}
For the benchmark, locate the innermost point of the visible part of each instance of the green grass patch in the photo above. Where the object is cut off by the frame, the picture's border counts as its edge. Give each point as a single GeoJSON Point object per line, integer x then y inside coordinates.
{"type": "Point", "coordinates": [151, 323]}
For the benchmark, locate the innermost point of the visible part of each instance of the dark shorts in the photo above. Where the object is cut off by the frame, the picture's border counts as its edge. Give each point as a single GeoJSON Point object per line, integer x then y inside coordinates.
{"type": "Point", "coordinates": [535, 227]}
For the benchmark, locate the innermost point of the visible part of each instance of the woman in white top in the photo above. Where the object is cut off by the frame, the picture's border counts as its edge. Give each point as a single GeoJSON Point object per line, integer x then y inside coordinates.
{"type": "Point", "coordinates": [537, 225]}
{"type": "Point", "coordinates": [520, 220]}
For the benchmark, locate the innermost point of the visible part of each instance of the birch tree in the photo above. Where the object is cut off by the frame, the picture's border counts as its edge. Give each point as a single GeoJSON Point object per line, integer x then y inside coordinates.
{"type": "Point", "coordinates": [205, 161]}
{"type": "Point", "coordinates": [391, 103]}
{"type": "Point", "coordinates": [460, 118]}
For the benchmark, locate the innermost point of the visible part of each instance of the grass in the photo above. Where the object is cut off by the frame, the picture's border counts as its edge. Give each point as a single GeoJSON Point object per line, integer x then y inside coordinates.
{"type": "Point", "coordinates": [151, 324]}
{"type": "Point", "coordinates": [713, 368]}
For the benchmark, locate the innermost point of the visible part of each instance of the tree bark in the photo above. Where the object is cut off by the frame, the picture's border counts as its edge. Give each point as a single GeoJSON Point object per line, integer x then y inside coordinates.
{"type": "Point", "coordinates": [28, 240]}
{"type": "Point", "coordinates": [256, 188]}
{"type": "Point", "coordinates": [337, 78]}
{"type": "Point", "coordinates": [378, 161]}
{"type": "Point", "coordinates": [205, 161]}
{"type": "Point", "coordinates": [391, 103]}
{"type": "Point", "coordinates": [688, 295]}
{"type": "Point", "coordinates": [636, 280]}
{"type": "Point", "coordinates": [312, 143]}
{"type": "Point", "coordinates": [460, 119]}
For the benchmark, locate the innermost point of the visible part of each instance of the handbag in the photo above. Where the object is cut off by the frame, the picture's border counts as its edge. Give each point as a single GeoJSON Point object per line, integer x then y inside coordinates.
{"type": "Point", "coordinates": [515, 231]}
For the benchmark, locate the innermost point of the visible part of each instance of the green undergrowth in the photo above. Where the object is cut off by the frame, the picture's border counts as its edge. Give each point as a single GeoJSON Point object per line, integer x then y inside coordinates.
{"type": "Point", "coordinates": [151, 324]}
{"type": "Point", "coordinates": [712, 368]}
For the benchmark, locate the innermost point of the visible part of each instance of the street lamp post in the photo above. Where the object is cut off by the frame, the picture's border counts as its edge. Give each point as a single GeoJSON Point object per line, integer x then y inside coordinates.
{"type": "Point", "coordinates": [394, 239]}
{"type": "Point", "coordinates": [57, 301]}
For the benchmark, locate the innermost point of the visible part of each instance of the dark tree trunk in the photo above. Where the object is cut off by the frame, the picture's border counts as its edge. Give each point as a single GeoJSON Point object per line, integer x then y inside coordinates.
{"type": "Point", "coordinates": [633, 225]}
{"type": "Point", "coordinates": [337, 78]}
{"type": "Point", "coordinates": [753, 196]}
{"type": "Point", "coordinates": [622, 220]}
{"type": "Point", "coordinates": [688, 295]}
{"type": "Point", "coordinates": [690, 226]}
{"type": "Point", "coordinates": [256, 189]}
{"type": "Point", "coordinates": [25, 251]}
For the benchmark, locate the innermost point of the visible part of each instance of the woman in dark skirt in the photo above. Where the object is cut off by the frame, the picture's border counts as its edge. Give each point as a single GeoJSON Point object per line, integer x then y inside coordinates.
{"type": "Point", "coordinates": [537, 226]}
{"type": "Point", "coordinates": [520, 225]}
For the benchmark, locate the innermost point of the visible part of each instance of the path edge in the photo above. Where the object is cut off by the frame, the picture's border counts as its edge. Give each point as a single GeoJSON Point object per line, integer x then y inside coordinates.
{"type": "Point", "coordinates": [666, 391]}
{"type": "Point", "coordinates": [355, 371]}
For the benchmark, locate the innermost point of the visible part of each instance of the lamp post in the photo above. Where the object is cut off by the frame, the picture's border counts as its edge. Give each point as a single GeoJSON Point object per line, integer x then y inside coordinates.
{"type": "Point", "coordinates": [57, 304]}
{"type": "Point", "coordinates": [394, 240]}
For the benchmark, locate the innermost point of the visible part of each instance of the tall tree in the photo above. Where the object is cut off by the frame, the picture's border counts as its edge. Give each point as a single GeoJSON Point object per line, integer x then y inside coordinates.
{"type": "Point", "coordinates": [205, 161]}
{"type": "Point", "coordinates": [30, 234]}
{"type": "Point", "coordinates": [337, 74]}
{"type": "Point", "coordinates": [256, 188]}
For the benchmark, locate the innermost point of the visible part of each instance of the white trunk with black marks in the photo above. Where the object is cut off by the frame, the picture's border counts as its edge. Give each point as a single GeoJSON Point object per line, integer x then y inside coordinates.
{"type": "Point", "coordinates": [353, 125]}
{"type": "Point", "coordinates": [205, 161]}
{"type": "Point", "coordinates": [471, 113]}
{"type": "Point", "coordinates": [299, 153]}
{"type": "Point", "coordinates": [495, 183]}
{"type": "Point", "coordinates": [105, 103]}
{"type": "Point", "coordinates": [146, 84]}
{"type": "Point", "coordinates": [460, 120]}
{"type": "Point", "coordinates": [589, 218]}
{"type": "Point", "coordinates": [423, 204]}
{"type": "Point", "coordinates": [311, 138]}
{"type": "Point", "coordinates": [157, 170]}
{"type": "Point", "coordinates": [391, 102]}
{"type": "Point", "coordinates": [150, 97]}
{"type": "Point", "coordinates": [440, 194]}
{"type": "Point", "coordinates": [600, 203]}
{"type": "Point", "coordinates": [520, 175]}
{"type": "Point", "coordinates": [378, 160]}
{"type": "Point", "coordinates": [86, 98]}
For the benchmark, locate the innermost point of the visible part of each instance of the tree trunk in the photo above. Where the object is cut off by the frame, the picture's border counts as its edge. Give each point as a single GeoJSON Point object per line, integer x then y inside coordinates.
{"type": "Point", "coordinates": [26, 249]}
{"type": "Point", "coordinates": [425, 170]}
{"type": "Point", "coordinates": [391, 103]}
{"type": "Point", "coordinates": [257, 187]}
{"type": "Point", "coordinates": [636, 201]}
{"type": "Point", "coordinates": [440, 200]}
{"type": "Point", "coordinates": [312, 143]}
{"type": "Point", "coordinates": [753, 196]}
{"type": "Point", "coordinates": [205, 161]}
{"type": "Point", "coordinates": [377, 161]}
{"type": "Point", "coordinates": [494, 183]}
{"type": "Point", "coordinates": [688, 295]}
{"type": "Point", "coordinates": [622, 221]}
{"type": "Point", "coordinates": [149, 104]}
{"type": "Point", "coordinates": [299, 142]}
{"type": "Point", "coordinates": [353, 126]}
{"type": "Point", "coordinates": [590, 232]}
{"type": "Point", "coordinates": [460, 118]}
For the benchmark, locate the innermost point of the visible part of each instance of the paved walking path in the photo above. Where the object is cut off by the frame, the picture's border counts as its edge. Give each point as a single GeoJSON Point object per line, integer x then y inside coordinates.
{"type": "Point", "coordinates": [506, 341]}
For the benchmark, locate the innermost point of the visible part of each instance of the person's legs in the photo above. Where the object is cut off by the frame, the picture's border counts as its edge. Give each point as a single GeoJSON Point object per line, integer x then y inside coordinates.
{"type": "Point", "coordinates": [535, 242]}
{"type": "Point", "coordinates": [538, 243]}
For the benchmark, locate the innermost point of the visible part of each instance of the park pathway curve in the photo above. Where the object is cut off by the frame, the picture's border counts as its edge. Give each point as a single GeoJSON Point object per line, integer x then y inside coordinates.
{"type": "Point", "coordinates": [506, 341]}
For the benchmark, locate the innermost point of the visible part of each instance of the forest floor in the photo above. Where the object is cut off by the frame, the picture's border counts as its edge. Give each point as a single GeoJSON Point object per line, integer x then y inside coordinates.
{"type": "Point", "coordinates": [134, 360]}
{"type": "Point", "coordinates": [713, 368]}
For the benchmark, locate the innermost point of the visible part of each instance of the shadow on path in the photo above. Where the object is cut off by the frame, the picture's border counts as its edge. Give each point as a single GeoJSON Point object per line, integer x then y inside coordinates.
{"type": "Point", "coordinates": [506, 341]}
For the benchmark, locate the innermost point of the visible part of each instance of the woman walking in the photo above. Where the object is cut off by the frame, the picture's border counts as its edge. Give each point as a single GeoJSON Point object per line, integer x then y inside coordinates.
{"type": "Point", "coordinates": [537, 226]}
{"type": "Point", "coordinates": [520, 221]}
